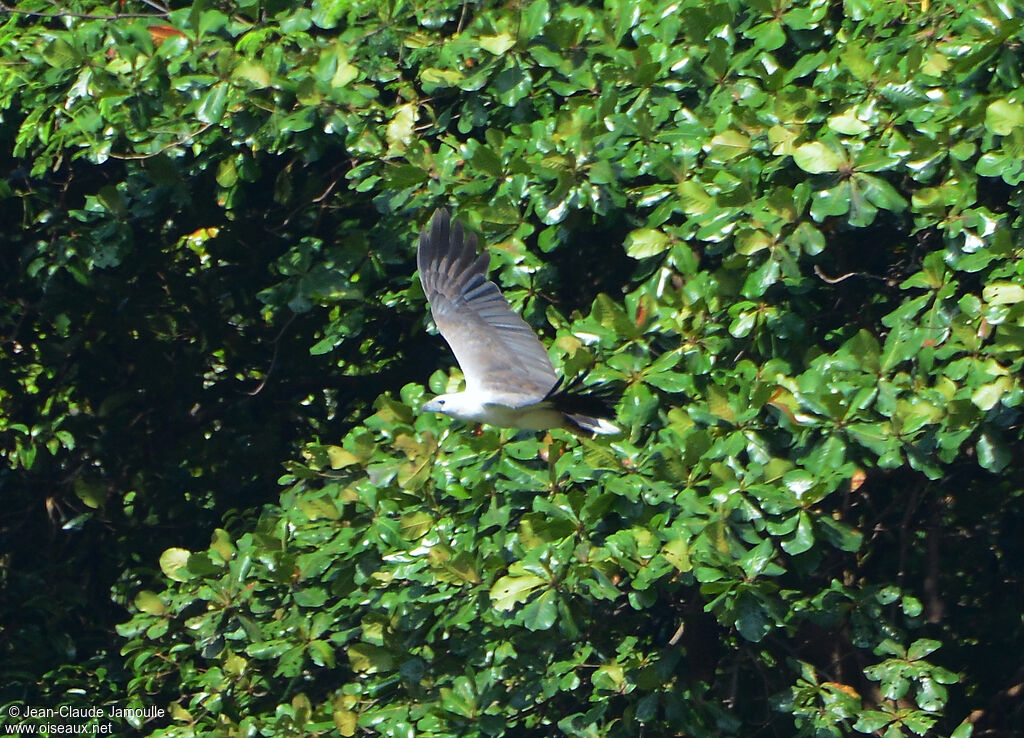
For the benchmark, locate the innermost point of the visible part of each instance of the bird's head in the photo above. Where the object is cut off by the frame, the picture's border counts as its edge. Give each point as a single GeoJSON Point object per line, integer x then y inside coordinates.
{"type": "Point", "coordinates": [436, 405]}
{"type": "Point", "coordinates": [457, 405]}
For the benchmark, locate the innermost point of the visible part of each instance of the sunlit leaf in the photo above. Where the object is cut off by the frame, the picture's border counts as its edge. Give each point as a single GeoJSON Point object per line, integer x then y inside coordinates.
{"type": "Point", "coordinates": [816, 158]}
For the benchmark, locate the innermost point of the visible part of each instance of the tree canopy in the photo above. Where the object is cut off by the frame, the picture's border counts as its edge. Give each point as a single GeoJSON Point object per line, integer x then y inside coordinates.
{"type": "Point", "coordinates": [790, 231]}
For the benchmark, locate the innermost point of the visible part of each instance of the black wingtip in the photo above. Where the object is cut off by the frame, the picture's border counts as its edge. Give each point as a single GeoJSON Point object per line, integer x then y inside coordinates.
{"type": "Point", "coordinates": [437, 231]}
{"type": "Point", "coordinates": [447, 248]}
{"type": "Point", "coordinates": [440, 219]}
{"type": "Point", "coordinates": [589, 408]}
{"type": "Point", "coordinates": [593, 425]}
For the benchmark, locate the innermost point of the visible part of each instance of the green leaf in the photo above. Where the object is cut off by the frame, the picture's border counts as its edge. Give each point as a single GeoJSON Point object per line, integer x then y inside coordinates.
{"type": "Point", "coordinates": [1003, 116]}
{"type": "Point", "coordinates": [871, 721]}
{"type": "Point", "coordinates": [759, 280]}
{"type": "Point", "coordinates": [802, 538]}
{"type": "Point", "coordinates": [770, 35]}
{"type": "Point", "coordinates": [311, 597]}
{"type": "Point", "coordinates": [840, 535]}
{"type": "Point", "coordinates": [340, 457]}
{"type": "Point", "coordinates": [498, 44]}
{"type": "Point", "coordinates": [60, 54]}
{"type": "Point", "coordinates": [817, 158]}
{"type": "Point", "coordinates": [919, 723]}
{"type": "Point", "coordinates": [931, 696]}
{"type": "Point", "coordinates": [399, 131]}
{"type": "Point", "coordinates": [174, 564]}
{"type": "Point", "coordinates": [369, 659]}
{"type": "Point", "coordinates": [751, 621]}
{"type": "Point", "coordinates": [612, 316]}
{"type": "Point", "coordinates": [1003, 293]}
{"type": "Point", "coordinates": [993, 453]}
{"type": "Point", "coordinates": [327, 13]}
{"type": "Point", "coordinates": [751, 241]}
{"type": "Point", "coordinates": [94, 495]}
{"type": "Point", "coordinates": [677, 553]}
{"type": "Point", "coordinates": [609, 677]}
{"type": "Point", "coordinates": [540, 613]}
{"type": "Point", "coordinates": [963, 730]}
{"type": "Point", "coordinates": [831, 202]}
{"type": "Point", "coordinates": [512, 85]}
{"type": "Point", "coordinates": [433, 78]}
{"type": "Point", "coordinates": [112, 199]}
{"type": "Point", "coordinates": [150, 602]}
{"type": "Point", "coordinates": [460, 699]}
{"type": "Point", "coordinates": [694, 198]}
{"type": "Point", "coordinates": [221, 545]}
{"type": "Point", "coordinates": [227, 173]}
{"type": "Point", "coordinates": [922, 647]}
{"type": "Point", "coordinates": [987, 396]}
{"type": "Point", "coordinates": [214, 103]}
{"type": "Point", "coordinates": [645, 242]}
{"type": "Point", "coordinates": [321, 653]}
{"type": "Point", "coordinates": [253, 73]}
{"type": "Point", "coordinates": [405, 175]}
{"type": "Point", "coordinates": [487, 161]}
{"type": "Point", "coordinates": [533, 18]}
{"type": "Point", "coordinates": [879, 192]}
{"type": "Point", "coordinates": [346, 721]}
{"type": "Point", "coordinates": [509, 591]}
{"type": "Point", "coordinates": [415, 525]}
{"type": "Point", "coordinates": [729, 145]}
{"type": "Point", "coordinates": [848, 123]}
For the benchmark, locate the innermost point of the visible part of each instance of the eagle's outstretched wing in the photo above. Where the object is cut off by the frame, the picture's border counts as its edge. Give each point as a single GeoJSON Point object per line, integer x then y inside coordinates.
{"type": "Point", "coordinates": [498, 352]}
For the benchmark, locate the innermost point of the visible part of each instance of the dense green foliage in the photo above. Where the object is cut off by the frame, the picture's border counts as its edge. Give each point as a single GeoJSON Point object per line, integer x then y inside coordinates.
{"type": "Point", "coordinates": [791, 231]}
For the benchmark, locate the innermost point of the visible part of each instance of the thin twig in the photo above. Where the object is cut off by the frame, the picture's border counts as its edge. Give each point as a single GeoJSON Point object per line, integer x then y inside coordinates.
{"type": "Point", "coordinates": [678, 634]}
{"type": "Point", "coordinates": [834, 280]}
{"type": "Point", "coordinates": [179, 142]}
{"type": "Point", "coordinates": [273, 358]}
{"type": "Point", "coordinates": [158, 6]}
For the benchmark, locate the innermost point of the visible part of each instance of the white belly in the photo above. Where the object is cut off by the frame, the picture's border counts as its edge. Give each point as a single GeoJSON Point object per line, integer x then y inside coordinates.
{"type": "Point", "coordinates": [535, 417]}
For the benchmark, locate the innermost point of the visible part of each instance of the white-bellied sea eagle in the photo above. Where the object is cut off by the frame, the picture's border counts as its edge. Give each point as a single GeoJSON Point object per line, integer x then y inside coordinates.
{"type": "Point", "coordinates": [510, 381]}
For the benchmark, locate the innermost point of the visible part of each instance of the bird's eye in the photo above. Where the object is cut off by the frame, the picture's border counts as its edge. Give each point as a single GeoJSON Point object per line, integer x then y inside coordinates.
{"type": "Point", "coordinates": [440, 402]}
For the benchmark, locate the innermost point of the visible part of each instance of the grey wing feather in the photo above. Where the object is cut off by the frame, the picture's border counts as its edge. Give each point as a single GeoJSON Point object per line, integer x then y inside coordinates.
{"type": "Point", "coordinates": [496, 349]}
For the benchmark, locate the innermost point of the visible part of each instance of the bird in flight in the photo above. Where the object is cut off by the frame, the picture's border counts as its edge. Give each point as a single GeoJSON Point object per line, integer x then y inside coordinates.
{"type": "Point", "coordinates": [510, 381]}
